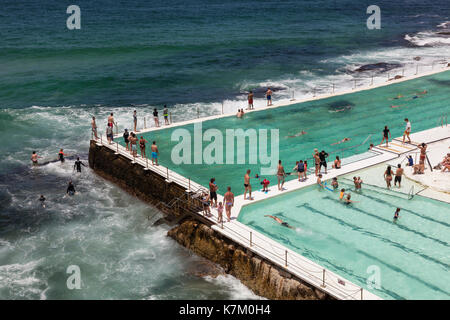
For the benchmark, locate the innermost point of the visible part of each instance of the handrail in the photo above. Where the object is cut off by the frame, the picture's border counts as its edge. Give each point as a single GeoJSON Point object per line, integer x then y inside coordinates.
{"type": "Point", "coordinates": [329, 279]}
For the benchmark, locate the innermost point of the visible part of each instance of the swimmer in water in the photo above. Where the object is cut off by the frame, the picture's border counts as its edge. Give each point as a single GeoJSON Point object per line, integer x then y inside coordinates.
{"type": "Point", "coordinates": [42, 200]}
{"type": "Point", "coordinates": [342, 141]}
{"type": "Point", "coordinates": [342, 194]}
{"type": "Point", "coordinates": [34, 158]}
{"type": "Point", "coordinates": [348, 200]}
{"type": "Point", "coordinates": [77, 165]}
{"type": "Point", "coordinates": [341, 110]}
{"type": "Point", "coordinates": [70, 189]}
{"type": "Point", "coordinates": [284, 224]}
{"type": "Point", "coordinates": [298, 134]}
{"type": "Point", "coordinates": [396, 215]}
{"type": "Point", "coordinates": [61, 155]}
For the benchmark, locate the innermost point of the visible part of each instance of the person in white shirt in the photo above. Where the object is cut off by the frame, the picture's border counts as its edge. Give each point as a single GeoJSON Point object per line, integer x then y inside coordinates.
{"type": "Point", "coordinates": [407, 131]}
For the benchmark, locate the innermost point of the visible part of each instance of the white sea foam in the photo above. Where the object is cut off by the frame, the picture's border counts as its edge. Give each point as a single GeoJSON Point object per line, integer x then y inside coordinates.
{"type": "Point", "coordinates": [428, 38]}
{"type": "Point", "coordinates": [236, 289]}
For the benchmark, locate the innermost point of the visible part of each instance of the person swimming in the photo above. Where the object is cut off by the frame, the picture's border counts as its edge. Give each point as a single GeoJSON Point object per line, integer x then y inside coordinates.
{"type": "Point", "coordinates": [342, 194]}
{"type": "Point", "coordinates": [70, 189]}
{"type": "Point", "coordinates": [341, 141]}
{"type": "Point", "coordinates": [42, 200]}
{"type": "Point", "coordinates": [284, 224]}
{"type": "Point", "coordinates": [298, 134]}
{"type": "Point", "coordinates": [396, 215]}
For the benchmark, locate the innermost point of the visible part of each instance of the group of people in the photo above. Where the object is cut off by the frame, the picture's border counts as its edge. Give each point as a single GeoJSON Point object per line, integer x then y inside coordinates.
{"type": "Point", "coordinates": [444, 164]}
{"type": "Point", "coordinates": [250, 96]}
{"type": "Point", "coordinates": [131, 142]}
{"type": "Point", "coordinates": [210, 199]}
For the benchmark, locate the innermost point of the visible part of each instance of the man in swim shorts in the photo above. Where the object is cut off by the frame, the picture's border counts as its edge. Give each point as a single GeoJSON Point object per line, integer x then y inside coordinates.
{"type": "Point", "coordinates": [316, 160]}
{"type": "Point", "coordinates": [34, 158]}
{"type": "Point", "coordinates": [133, 147]}
{"type": "Point", "coordinates": [94, 127]}
{"type": "Point", "coordinates": [398, 175]}
{"type": "Point", "coordinates": [269, 97]}
{"type": "Point", "coordinates": [213, 192]}
{"type": "Point", "coordinates": [111, 121]}
{"type": "Point", "coordinates": [166, 115]}
{"type": "Point", "coordinates": [228, 198]}
{"type": "Point", "coordinates": [280, 175]}
{"type": "Point", "coordinates": [154, 153]}
{"type": "Point", "coordinates": [407, 131]}
{"type": "Point", "coordinates": [247, 186]}
{"type": "Point", "coordinates": [250, 100]}
{"type": "Point", "coordinates": [284, 224]}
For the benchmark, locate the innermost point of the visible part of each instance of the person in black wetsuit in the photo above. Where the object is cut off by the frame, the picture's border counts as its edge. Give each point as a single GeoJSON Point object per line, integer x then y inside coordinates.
{"type": "Point", "coordinates": [323, 160]}
{"type": "Point", "coordinates": [78, 165]}
{"type": "Point", "coordinates": [42, 200]}
{"type": "Point", "coordinates": [70, 189]}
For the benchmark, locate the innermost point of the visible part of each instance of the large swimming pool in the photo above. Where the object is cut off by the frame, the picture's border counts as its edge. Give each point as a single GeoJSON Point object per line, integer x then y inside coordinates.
{"type": "Point", "coordinates": [360, 114]}
{"type": "Point", "coordinates": [412, 255]}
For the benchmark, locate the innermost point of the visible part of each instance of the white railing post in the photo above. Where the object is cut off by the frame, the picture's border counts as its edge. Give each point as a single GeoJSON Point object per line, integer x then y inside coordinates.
{"type": "Point", "coordinates": [198, 113]}
{"type": "Point", "coordinates": [167, 172]}
{"type": "Point", "coordinates": [145, 123]}
{"type": "Point", "coordinates": [361, 293]}
{"type": "Point", "coordinates": [333, 89]}
{"type": "Point", "coordinates": [371, 83]}
{"type": "Point", "coordinates": [222, 107]}
{"type": "Point", "coordinates": [417, 69]}
{"type": "Point", "coordinates": [285, 258]}
{"type": "Point", "coordinates": [250, 238]}
{"type": "Point", "coordinates": [323, 279]}
{"type": "Point", "coordinates": [170, 117]}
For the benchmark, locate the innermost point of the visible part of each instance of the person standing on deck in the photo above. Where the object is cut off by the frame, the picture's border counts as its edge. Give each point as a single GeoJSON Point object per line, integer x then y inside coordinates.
{"type": "Point", "coordinates": [111, 122]}
{"type": "Point", "coordinates": [135, 121]}
{"type": "Point", "coordinates": [247, 186]}
{"type": "Point", "coordinates": [250, 100]}
{"type": "Point", "coordinates": [142, 143]}
{"type": "Point", "coordinates": [316, 161]}
{"type": "Point", "coordinates": [386, 135]}
{"type": "Point", "coordinates": [213, 192]}
{"type": "Point", "coordinates": [398, 175]}
{"type": "Point", "coordinates": [407, 131]}
{"type": "Point", "coordinates": [133, 146]}
{"type": "Point", "coordinates": [109, 134]}
{"type": "Point", "coordinates": [423, 153]}
{"type": "Point", "coordinates": [280, 175]}
{"type": "Point", "coordinates": [269, 97]}
{"type": "Point", "coordinates": [94, 128]}
{"type": "Point", "coordinates": [228, 198]}
{"type": "Point", "coordinates": [166, 115]}
{"type": "Point", "coordinates": [154, 153]}
{"type": "Point", "coordinates": [155, 117]}
{"type": "Point", "coordinates": [323, 160]}
{"type": "Point", "coordinates": [126, 135]}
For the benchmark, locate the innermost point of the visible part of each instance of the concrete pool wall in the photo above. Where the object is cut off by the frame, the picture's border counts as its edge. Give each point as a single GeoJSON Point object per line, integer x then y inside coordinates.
{"type": "Point", "coordinates": [162, 185]}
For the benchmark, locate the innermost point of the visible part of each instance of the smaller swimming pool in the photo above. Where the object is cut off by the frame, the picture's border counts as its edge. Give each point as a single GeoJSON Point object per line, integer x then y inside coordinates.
{"type": "Point", "coordinates": [412, 255]}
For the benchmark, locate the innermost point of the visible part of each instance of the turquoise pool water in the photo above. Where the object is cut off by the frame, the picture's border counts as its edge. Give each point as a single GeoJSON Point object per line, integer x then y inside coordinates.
{"type": "Point", "coordinates": [413, 255]}
{"type": "Point", "coordinates": [365, 112]}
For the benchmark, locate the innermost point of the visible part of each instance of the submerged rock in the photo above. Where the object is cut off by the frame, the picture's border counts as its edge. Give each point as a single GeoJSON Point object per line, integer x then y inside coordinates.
{"type": "Point", "coordinates": [381, 66]}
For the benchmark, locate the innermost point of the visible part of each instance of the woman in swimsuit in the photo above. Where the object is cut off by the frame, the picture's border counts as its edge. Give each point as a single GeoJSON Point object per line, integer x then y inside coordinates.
{"type": "Point", "coordinates": [423, 153]}
{"type": "Point", "coordinates": [337, 163]}
{"type": "Point", "coordinates": [388, 176]}
{"type": "Point", "coordinates": [142, 142]}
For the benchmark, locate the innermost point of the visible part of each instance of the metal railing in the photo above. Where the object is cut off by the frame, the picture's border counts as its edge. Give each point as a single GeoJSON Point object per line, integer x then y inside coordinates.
{"type": "Point", "coordinates": [286, 259]}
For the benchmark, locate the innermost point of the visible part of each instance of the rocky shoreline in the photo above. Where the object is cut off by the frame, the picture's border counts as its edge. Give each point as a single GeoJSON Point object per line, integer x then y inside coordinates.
{"type": "Point", "coordinates": [261, 276]}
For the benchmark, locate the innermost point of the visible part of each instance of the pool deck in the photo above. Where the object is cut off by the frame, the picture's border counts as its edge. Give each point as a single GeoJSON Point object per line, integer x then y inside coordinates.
{"type": "Point", "coordinates": [267, 248]}
{"type": "Point", "coordinates": [284, 103]}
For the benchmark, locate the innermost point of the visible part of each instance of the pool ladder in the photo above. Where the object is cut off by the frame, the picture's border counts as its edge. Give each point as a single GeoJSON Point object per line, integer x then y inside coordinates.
{"type": "Point", "coordinates": [411, 193]}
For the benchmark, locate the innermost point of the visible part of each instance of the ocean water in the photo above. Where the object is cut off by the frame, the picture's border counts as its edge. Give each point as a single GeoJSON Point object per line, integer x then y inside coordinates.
{"type": "Point", "coordinates": [140, 54]}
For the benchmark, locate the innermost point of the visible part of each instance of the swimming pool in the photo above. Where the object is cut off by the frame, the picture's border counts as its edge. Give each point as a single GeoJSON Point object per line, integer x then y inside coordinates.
{"type": "Point", "coordinates": [364, 112]}
{"type": "Point", "coordinates": [412, 255]}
